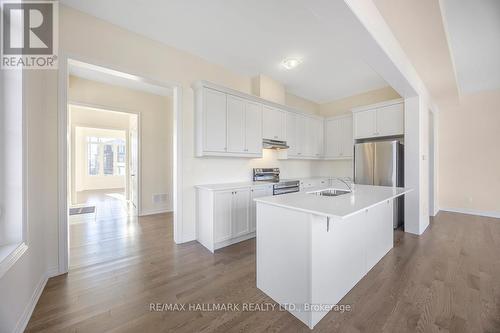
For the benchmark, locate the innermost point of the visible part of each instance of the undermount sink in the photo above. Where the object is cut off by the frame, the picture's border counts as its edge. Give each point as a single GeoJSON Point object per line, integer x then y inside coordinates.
{"type": "Point", "coordinates": [331, 192]}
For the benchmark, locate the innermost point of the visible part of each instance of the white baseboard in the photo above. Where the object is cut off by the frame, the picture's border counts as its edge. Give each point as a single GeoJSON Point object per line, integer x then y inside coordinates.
{"type": "Point", "coordinates": [494, 214]}
{"type": "Point", "coordinates": [28, 311]}
{"type": "Point", "coordinates": [146, 212]}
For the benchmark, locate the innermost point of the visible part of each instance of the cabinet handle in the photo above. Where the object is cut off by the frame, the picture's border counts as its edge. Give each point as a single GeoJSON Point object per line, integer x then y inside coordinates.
{"type": "Point", "coordinates": [328, 224]}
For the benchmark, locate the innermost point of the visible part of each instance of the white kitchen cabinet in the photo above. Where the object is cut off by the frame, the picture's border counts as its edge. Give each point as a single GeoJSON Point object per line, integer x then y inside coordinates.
{"type": "Point", "coordinates": [240, 213]}
{"type": "Point", "coordinates": [390, 120]}
{"type": "Point", "coordinates": [379, 232]}
{"type": "Point", "coordinates": [317, 137]}
{"type": "Point", "coordinates": [223, 203]}
{"type": "Point", "coordinates": [365, 124]}
{"type": "Point", "coordinates": [304, 136]}
{"type": "Point", "coordinates": [338, 137]}
{"type": "Point", "coordinates": [292, 135]}
{"type": "Point", "coordinates": [379, 121]}
{"type": "Point", "coordinates": [274, 124]}
{"type": "Point", "coordinates": [253, 128]}
{"type": "Point", "coordinates": [227, 125]}
{"type": "Point", "coordinates": [215, 121]}
{"type": "Point", "coordinates": [225, 217]}
{"type": "Point", "coordinates": [235, 124]}
{"type": "Point", "coordinates": [257, 192]}
{"type": "Point", "coordinates": [244, 126]}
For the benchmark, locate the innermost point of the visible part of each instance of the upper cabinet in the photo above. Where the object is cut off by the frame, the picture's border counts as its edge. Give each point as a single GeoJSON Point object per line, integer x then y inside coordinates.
{"type": "Point", "coordinates": [379, 121]}
{"type": "Point", "coordinates": [214, 121]}
{"type": "Point", "coordinates": [227, 125]}
{"type": "Point", "coordinates": [304, 136]}
{"type": "Point", "coordinates": [233, 124]}
{"type": "Point", "coordinates": [274, 124]}
{"type": "Point", "coordinates": [338, 138]}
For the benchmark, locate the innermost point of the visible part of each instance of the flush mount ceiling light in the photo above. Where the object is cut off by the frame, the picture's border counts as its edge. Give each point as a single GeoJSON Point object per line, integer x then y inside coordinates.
{"type": "Point", "coordinates": [290, 63]}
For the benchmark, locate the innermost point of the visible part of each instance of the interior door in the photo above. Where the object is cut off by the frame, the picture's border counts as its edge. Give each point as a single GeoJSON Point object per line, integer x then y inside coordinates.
{"type": "Point", "coordinates": [253, 128]}
{"type": "Point", "coordinates": [133, 185]}
{"type": "Point", "coordinates": [240, 217]}
{"type": "Point", "coordinates": [363, 163]}
{"type": "Point", "coordinates": [235, 124]}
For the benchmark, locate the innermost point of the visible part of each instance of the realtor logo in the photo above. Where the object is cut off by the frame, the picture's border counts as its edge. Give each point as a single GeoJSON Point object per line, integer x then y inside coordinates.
{"type": "Point", "coordinates": [29, 34]}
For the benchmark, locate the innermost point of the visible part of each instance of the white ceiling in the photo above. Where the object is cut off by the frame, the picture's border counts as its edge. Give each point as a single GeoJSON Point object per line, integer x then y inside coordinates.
{"type": "Point", "coordinates": [473, 31]}
{"type": "Point", "coordinates": [253, 36]}
{"type": "Point", "coordinates": [103, 75]}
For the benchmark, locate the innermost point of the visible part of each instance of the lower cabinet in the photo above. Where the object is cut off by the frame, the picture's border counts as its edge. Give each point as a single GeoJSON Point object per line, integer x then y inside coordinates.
{"type": "Point", "coordinates": [226, 217]}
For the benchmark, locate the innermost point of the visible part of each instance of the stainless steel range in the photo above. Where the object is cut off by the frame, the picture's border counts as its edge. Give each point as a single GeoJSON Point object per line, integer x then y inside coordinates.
{"type": "Point", "coordinates": [272, 175]}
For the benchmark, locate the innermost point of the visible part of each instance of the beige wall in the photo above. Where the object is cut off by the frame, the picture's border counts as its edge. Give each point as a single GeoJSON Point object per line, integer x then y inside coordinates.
{"type": "Point", "coordinates": [469, 153]}
{"type": "Point", "coordinates": [268, 88]}
{"type": "Point", "coordinates": [302, 104]}
{"type": "Point", "coordinates": [344, 105]}
{"type": "Point", "coordinates": [156, 123]}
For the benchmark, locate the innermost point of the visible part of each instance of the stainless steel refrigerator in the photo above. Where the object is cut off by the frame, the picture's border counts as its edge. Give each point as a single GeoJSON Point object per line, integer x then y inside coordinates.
{"type": "Point", "coordinates": [381, 163]}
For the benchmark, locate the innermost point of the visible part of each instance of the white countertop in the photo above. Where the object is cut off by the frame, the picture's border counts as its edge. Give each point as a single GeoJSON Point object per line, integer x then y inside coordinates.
{"type": "Point", "coordinates": [232, 186]}
{"type": "Point", "coordinates": [342, 206]}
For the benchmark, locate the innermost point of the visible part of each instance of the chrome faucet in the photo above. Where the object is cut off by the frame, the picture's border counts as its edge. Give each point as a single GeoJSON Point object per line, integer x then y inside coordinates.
{"type": "Point", "coordinates": [346, 184]}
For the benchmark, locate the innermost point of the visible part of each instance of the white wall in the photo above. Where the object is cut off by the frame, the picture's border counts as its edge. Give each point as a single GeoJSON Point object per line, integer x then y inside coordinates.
{"type": "Point", "coordinates": [156, 130]}
{"type": "Point", "coordinates": [25, 279]}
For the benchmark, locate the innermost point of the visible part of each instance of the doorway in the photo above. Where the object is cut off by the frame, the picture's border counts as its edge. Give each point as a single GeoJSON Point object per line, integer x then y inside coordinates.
{"type": "Point", "coordinates": [103, 164]}
{"type": "Point", "coordinates": [111, 152]}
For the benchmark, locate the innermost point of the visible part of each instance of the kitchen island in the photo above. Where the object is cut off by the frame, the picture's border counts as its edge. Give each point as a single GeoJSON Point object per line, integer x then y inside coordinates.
{"type": "Point", "coordinates": [313, 247]}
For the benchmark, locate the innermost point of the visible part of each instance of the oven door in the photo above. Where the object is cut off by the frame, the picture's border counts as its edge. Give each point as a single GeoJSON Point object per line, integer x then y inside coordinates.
{"type": "Point", "coordinates": [285, 190]}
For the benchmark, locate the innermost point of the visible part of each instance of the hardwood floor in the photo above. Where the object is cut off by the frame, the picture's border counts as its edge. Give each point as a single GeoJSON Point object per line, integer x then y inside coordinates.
{"type": "Point", "coordinates": [447, 280]}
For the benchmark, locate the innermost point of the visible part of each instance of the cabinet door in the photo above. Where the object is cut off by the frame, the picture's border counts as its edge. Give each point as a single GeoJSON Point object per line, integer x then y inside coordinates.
{"type": "Point", "coordinates": [379, 232]}
{"type": "Point", "coordinates": [274, 123]}
{"type": "Point", "coordinates": [222, 215]}
{"type": "Point", "coordinates": [291, 134]}
{"type": "Point", "coordinates": [301, 131]}
{"type": "Point", "coordinates": [333, 134]}
{"type": "Point", "coordinates": [235, 124]}
{"type": "Point", "coordinates": [347, 145]}
{"type": "Point", "coordinates": [253, 128]}
{"type": "Point", "coordinates": [390, 120]}
{"type": "Point", "coordinates": [215, 121]}
{"type": "Point", "coordinates": [319, 138]}
{"type": "Point", "coordinates": [240, 215]}
{"type": "Point", "coordinates": [365, 123]}
{"type": "Point", "coordinates": [257, 192]}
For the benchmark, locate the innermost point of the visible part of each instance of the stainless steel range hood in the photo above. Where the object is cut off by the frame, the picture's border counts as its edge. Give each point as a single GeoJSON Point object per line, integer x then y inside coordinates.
{"type": "Point", "coordinates": [274, 144]}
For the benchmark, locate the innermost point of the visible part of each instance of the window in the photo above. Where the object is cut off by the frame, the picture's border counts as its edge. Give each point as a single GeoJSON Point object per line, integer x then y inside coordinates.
{"type": "Point", "coordinates": [12, 178]}
{"type": "Point", "coordinates": [106, 156]}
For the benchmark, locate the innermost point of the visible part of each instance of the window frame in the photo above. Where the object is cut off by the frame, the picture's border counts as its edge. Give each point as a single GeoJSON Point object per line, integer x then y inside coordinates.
{"type": "Point", "coordinates": [100, 154]}
{"type": "Point", "coordinates": [10, 253]}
